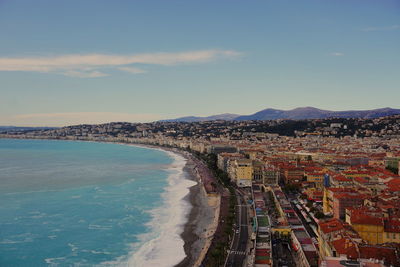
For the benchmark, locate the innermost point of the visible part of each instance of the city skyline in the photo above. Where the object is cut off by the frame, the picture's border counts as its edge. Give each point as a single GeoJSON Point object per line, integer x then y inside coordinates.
{"type": "Point", "coordinates": [96, 61]}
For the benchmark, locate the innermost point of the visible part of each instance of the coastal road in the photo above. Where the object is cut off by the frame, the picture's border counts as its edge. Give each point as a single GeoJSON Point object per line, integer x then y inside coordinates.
{"type": "Point", "coordinates": [237, 254]}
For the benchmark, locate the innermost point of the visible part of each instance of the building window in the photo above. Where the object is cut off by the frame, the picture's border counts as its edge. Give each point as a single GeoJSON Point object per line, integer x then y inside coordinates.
{"type": "Point", "coordinates": [394, 235]}
{"type": "Point", "coordinates": [387, 235]}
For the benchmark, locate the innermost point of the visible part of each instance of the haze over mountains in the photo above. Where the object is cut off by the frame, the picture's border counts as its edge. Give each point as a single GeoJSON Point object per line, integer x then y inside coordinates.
{"type": "Point", "coordinates": [295, 114]}
{"type": "Point", "coordinates": [266, 114]}
{"type": "Point", "coordinates": [19, 128]}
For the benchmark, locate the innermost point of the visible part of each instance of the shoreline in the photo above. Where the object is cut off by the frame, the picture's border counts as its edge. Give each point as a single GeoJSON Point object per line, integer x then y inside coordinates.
{"type": "Point", "coordinates": [202, 219]}
{"type": "Point", "coordinates": [199, 225]}
{"type": "Point", "coordinates": [163, 245]}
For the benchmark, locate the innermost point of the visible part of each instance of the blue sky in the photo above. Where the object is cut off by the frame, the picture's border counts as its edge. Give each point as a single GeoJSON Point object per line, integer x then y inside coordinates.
{"type": "Point", "coordinates": [68, 62]}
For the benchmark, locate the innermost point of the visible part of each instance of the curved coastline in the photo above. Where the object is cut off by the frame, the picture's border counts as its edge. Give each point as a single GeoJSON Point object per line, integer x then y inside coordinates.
{"type": "Point", "coordinates": [199, 223]}
{"type": "Point", "coordinates": [189, 223]}
{"type": "Point", "coordinates": [163, 245]}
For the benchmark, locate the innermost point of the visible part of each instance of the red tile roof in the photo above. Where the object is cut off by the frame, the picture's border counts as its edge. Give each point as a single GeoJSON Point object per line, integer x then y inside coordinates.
{"type": "Point", "coordinates": [331, 225]}
{"type": "Point", "coordinates": [394, 185]}
{"type": "Point", "coordinates": [341, 178]}
{"type": "Point", "coordinates": [347, 195]}
{"type": "Point", "coordinates": [388, 254]}
{"type": "Point", "coordinates": [346, 246]}
{"type": "Point", "coordinates": [362, 218]}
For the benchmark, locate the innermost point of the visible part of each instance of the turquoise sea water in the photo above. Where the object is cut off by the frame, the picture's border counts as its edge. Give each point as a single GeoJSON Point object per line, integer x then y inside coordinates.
{"type": "Point", "coordinates": [68, 203]}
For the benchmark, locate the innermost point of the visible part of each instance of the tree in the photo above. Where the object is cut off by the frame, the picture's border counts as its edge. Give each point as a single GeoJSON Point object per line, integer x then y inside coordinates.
{"type": "Point", "coordinates": [319, 215]}
{"type": "Point", "coordinates": [392, 169]}
{"type": "Point", "coordinates": [291, 188]}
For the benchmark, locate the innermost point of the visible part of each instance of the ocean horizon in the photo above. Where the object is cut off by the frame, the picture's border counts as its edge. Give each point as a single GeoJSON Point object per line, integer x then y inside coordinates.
{"type": "Point", "coordinates": [91, 204]}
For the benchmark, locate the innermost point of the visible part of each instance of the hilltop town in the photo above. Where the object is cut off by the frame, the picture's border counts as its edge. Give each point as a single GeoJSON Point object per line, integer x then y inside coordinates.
{"type": "Point", "coordinates": [306, 192]}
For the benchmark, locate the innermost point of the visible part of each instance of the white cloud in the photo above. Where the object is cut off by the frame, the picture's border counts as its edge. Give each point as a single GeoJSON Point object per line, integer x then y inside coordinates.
{"type": "Point", "coordinates": [384, 28]}
{"type": "Point", "coordinates": [84, 74]}
{"type": "Point", "coordinates": [87, 65]}
{"type": "Point", "coordinates": [132, 70]}
{"type": "Point", "coordinates": [337, 54]}
{"type": "Point", "coordinates": [73, 118]}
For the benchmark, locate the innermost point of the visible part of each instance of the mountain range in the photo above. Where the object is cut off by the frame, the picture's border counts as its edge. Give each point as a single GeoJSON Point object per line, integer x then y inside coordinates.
{"type": "Point", "coordinates": [295, 114]}
{"type": "Point", "coordinates": [17, 128]}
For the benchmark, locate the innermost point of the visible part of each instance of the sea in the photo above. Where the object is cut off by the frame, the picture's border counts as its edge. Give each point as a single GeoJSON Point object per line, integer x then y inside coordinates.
{"type": "Point", "coordinates": [71, 203]}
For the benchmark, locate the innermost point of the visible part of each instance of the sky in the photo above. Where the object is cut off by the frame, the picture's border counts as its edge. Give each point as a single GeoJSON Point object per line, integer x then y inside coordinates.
{"type": "Point", "coordinates": [72, 62]}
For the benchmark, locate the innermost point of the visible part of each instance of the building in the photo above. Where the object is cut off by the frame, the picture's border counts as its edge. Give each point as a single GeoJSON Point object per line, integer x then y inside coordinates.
{"type": "Point", "coordinates": [315, 178]}
{"type": "Point", "coordinates": [345, 262]}
{"type": "Point", "coordinates": [241, 172]}
{"type": "Point", "coordinates": [343, 200]}
{"type": "Point", "coordinates": [216, 149]}
{"type": "Point", "coordinates": [336, 200]}
{"type": "Point", "coordinates": [292, 174]}
{"type": "Point", "coordinates": [258, 171]}
{"type": "Point", "coordinates": [223, 158]}
{"type": "Point", "coordinates": [391, 231]}
{"type": "Point", "coordinates": [271, 175]}
{"type": "Point", "coordinates": [314, 194]}
{"type": "Point", "coordinates": [369, 227]}
{"type": "Point", "coordinates": [328, 198]}
{"type": "Point", "coordinates": [327, 232]}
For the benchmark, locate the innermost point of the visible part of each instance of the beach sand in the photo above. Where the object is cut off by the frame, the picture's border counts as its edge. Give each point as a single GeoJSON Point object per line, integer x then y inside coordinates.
{"type": "Point", "coordinates": [202, 220]}
{"type": "Point", "coordinates": [199, 227]}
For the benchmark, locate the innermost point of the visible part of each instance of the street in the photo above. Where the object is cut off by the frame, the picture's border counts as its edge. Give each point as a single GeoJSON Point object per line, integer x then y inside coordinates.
{"type": "Point", "coordinates": [237, 253]}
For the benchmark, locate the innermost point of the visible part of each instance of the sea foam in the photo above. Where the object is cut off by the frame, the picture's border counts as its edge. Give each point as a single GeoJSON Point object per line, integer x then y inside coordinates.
{"type": "Point", "coordinates": [163, 246]}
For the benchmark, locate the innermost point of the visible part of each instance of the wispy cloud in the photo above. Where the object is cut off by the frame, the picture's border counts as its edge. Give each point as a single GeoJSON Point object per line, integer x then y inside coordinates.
{"type": "Point", "coordinates": [72, 118]}
{"type": "Point", "coordinates": [383, 28]}
{"type": "Point", "coordinates": [132, 70]}
{"type": "Point", "coordinates": [84, 74]}
{"type": "Point", "coordinates": [89, 65]}
{"type": "Point", "coordinates": [337, 54]}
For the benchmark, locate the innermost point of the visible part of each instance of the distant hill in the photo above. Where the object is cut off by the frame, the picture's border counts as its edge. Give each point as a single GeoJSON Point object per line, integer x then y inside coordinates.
{"type": "Point", "coordinates": [296, 114]}
{"type": "Point", "coordinates": [225, 116]}
{"type": "Point", "coordinates": [314, 113]}
{"type": "Point", "coordinates": [20, 128]}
